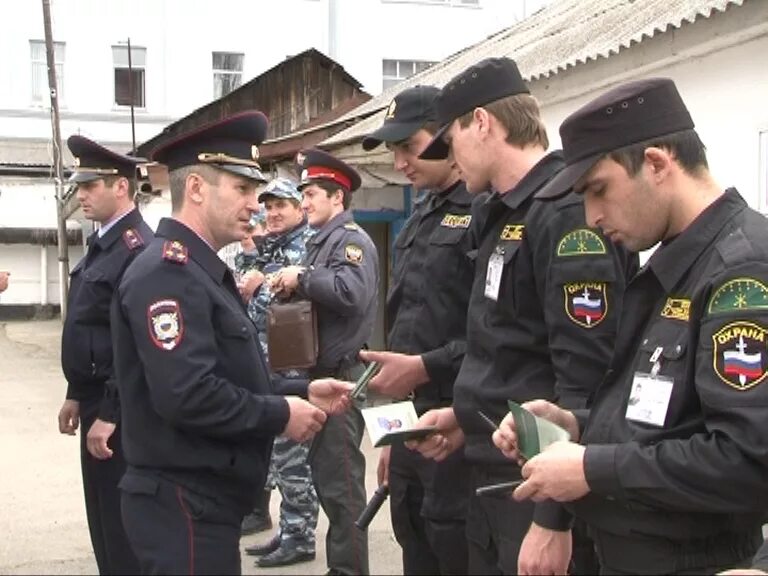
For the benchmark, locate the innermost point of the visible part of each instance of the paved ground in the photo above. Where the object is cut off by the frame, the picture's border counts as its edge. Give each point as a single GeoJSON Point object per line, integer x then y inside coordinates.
{"type": "Point", "coordinates": [42, 516]}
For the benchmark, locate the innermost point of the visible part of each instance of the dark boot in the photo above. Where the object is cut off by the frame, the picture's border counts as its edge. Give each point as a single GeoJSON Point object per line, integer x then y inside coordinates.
{"type": "Point", "coordinates": [263, 549]}
{"type": "Point", "coordinates": [287, 553]}
{"type": "Point", "coordinates": [260, 519]}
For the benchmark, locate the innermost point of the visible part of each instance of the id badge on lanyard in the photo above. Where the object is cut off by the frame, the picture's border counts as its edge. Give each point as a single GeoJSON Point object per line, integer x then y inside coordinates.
{"type": "Point", "coordinates": [494, 273]}
{"type": "Point", "coordinates": [649, 397]}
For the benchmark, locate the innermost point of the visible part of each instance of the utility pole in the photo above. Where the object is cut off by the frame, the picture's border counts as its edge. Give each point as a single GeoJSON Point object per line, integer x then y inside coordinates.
{"type": "Point", "coordinates": [57, 162]}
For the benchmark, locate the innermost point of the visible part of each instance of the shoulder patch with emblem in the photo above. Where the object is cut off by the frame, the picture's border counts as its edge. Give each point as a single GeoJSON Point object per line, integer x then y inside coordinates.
{"type": "Point", "coordinates": [741, 354]}
{"type": "Point", "coordinates": [580, 242]}
{"type": "Point", "coordinates": [132, 239]}
{"type": "Point", "coordinates": [175, 251]}
{"type": "Point", "coordinates": [456, 220]}
{"type": "Point", "coordinates": [165, 323]}
{"type": "Point", "coordinates": [739, 294]}
{"type": "Point", "coordinates": [586, 303]}
{"type": "Point", "coordinates": [512, 232]}
{"type": "Point", "coordinates": [677, 309]}
{"type": "Point", "coordinates": [353, 253]}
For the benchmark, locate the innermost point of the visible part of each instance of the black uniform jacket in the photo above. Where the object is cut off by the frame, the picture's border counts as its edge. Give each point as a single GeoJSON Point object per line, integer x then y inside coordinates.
{"type": "Point", "coordinates": [193, 383]}
{"type": "Point", "coordinates": [699, 308]}
{"type": "Point", "coordinates": [342, 279]}
{"type": "Point", "coordinates": [86, 346]}
{"type": "Point", "coordinates": [550, 331]}
{"type": "Point", "coordinates": [432, 279]}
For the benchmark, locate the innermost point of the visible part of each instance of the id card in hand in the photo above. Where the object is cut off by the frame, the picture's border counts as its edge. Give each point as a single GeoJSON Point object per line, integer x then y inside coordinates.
{"type": "Point", "coordinates": [534, 434]}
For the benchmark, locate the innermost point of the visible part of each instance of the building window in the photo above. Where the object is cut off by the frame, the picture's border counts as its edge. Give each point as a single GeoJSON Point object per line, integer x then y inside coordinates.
{"type": "Point", "coordinates": [395, 71]}
{"type": "Point", "coordinates": [227, 72]}
{"type": "Point", "coordinates": [127, 79]}
{"type": "Point", "coordinates": [763, 179]}
{"type": "Point", "coordinates": [40, 95]}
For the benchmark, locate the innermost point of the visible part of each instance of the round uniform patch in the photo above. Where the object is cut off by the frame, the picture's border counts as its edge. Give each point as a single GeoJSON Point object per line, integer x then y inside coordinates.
{"type": "Point", "coordinates": [166, 325]}
{"type": "Point", "coordinates": [586, 303]}
{"type": "Point", "coordinates": [353, 253]}
{"type": "Point", "coordinates": [741, 354]}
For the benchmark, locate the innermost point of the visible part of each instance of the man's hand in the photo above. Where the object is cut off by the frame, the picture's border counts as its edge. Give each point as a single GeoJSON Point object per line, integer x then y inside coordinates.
{"type": "Point", "coordinates": [544, 551]}
{"type": "Point", "coordinates": [97, 439]}
{"type": "Point", "coordinates": [250, 282]}
{"type": "Point", "coordinates": [287, 280]}
{"type": "Point", "coordinates": [445, 442]}
{"type": "Point", "coordinates": [382, 471]}
{"type": "Point", "coordinates": [69, 417]}
{"type": "Point", "coordinates": [4, 281]}
{"type": "Point", "coordinates": [399, 373]}
{"type": "Point", "coordinates": [505, 438]}
{"type": "Point", "coordinates": [305, 420]}
{"type": "Point", "coordinates": [555, 474]}
{"type": "Point", "coordinates": [330, 395]}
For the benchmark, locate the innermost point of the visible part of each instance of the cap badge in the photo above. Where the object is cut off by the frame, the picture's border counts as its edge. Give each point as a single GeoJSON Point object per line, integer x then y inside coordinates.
{"type": "Point", "coordinates": [76, 162]}
{"type": "Point", "coordinates": [255, 152]}
{"type": "Point", "coordinates": [391, 110]}
{"type": "Point", "coordinates": [300, 157]}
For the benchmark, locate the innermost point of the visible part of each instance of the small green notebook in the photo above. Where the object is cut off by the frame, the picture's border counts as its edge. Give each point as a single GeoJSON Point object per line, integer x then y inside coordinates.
{"type": "Point", "coordinates": [534, 434]}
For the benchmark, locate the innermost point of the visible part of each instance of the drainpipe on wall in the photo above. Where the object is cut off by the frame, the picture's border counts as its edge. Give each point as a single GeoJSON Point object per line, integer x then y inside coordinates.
{"type": "Point", "coordinates": [43, 275]}
{"type": "Point", "coordinates": [332, 27]}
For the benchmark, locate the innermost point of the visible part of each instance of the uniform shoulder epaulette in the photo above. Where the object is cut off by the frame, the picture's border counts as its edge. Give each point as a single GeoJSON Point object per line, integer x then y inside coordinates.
{"type": "Point", "coordinates": [351, 226]}
{"type": "Point", "coordinates": [175, 251]}
{"type": "Point", "coordinates": [132, 239]}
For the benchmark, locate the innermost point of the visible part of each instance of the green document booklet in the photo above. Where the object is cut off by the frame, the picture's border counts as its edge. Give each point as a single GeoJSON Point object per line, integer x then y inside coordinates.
{"type": "Point", "coordinates": [534, 434]}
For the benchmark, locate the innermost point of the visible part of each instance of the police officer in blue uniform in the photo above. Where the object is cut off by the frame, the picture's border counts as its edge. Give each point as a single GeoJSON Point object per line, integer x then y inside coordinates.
{"type": "Point", "coordinates": [675, 480]}
{"type": "Point", "coordinates": [199, 415]}
{"type": "Point", "coordinates": [340, 274]}
{"type": "Point", "coordinates": [105, 189]}
{"type": "Point", "coordinates": [426, 315]}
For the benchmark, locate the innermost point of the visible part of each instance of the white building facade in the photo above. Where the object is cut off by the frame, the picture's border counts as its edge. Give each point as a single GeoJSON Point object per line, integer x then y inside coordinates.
{"type": "Point", "coordinates": [184, 54]}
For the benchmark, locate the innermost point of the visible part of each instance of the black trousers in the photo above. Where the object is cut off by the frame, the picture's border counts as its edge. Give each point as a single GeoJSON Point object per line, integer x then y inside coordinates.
{"type": "Point", "coordinates": [102, 500]}
{"type": "Point", "coordinates": [176, 531]}
{"type": "Point", "coordinates": [428, 504]}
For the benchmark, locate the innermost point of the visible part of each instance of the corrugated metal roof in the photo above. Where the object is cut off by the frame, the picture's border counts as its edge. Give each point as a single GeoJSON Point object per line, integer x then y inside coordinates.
{"type": "Point", "coordinates": [562, 35]}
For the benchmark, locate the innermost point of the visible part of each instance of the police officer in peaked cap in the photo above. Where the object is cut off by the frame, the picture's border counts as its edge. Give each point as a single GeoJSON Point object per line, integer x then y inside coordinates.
{"type": "Point", "coordinates": [199, 415]}
{"type": "Point", "coordinates": [340, 274]}
{"type": "Point", "coordinates": [105, 190]}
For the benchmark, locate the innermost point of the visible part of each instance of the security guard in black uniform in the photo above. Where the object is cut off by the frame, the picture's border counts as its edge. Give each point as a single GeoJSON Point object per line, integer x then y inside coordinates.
{"type": "Point", "coordinates": [198, 414]}
{"type": "Point", "coordinates": [542, 314]}
{"type": "Point", "coordinates": [426, 315]}
{"type": "Point", "coordinates": [340, 275]}
{"type": "Point", "coordinates": [105, 189]}
{"type": "Point", "coordinates": [671, 471]}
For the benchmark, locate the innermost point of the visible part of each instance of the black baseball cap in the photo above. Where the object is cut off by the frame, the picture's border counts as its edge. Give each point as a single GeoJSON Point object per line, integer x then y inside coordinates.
{"type": "Point", "coordinates": [230, 144]}
{"type": "Point", "coordinates": [94, 161]}
{"type": "Point", "coordinates": [487, 81]}
{"type": "Point", "coordinates": [628, 114]}
{"type": "Point", "coordinates": [408, 112]}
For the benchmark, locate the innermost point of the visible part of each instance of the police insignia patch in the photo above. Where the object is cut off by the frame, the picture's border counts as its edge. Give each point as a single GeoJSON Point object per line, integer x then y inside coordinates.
{"type": "Point", "coordinates": [740, 354]}
{"type": "Point", "coordinates": [586, 303]}
{"type": "Point", "coordinates": [580, 242]}
{"type": "Point", "coordinates": [166, 325]}
{"type": "Point", "coordinates": [677, 309]}
{"type": "Point", "coordinates": [175, 251]}
{"type": "Point", "coordinates": [512, 232]}
{"type": "Point", "coordinates": [132, 239]}
{"type": "Point", "coordinates": [353, 253]}
{"type": "Point", "coordinates": [739, 294]}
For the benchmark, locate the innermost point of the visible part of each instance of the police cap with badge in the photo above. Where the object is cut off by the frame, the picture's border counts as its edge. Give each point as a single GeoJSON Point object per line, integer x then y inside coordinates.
{"type": "Point", "coordinates": [629, 114]}
{"type": "Point", "coordinates": [316, 165]}
{"type": "Point", "coordinates": [230, 144]}
{"type": "Point", "coordinates": [482, 83]}
{"type": "Point", "coordinates": [408, 112]}
{"type": "Point", "coordinates": [93, 161]}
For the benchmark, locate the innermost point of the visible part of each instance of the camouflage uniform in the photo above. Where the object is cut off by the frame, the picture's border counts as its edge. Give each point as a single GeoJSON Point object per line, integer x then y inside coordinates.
{"type": "Point", "coordinates": [289, 469]}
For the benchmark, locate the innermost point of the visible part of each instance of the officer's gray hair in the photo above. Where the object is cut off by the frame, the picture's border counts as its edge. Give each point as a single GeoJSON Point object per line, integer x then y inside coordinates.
{"type": "Point", "coordinates": [177, 180]}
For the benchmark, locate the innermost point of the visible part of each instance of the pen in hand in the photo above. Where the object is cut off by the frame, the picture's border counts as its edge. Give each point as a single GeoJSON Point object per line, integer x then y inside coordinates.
{"type": "Point", "coordinates": [492, 426]}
